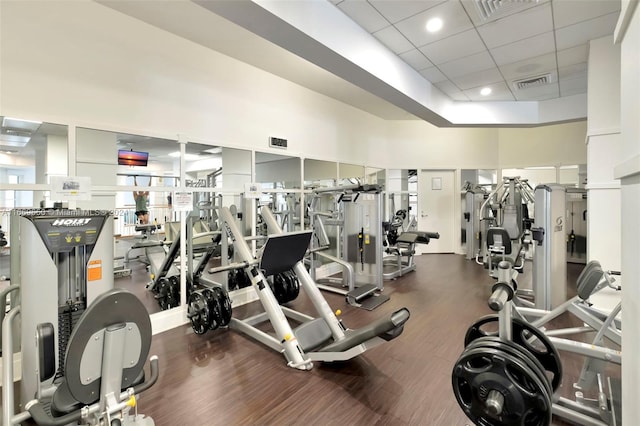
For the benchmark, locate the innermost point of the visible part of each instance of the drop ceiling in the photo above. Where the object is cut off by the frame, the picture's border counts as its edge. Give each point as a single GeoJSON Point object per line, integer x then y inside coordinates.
{"type": "Point", "coordinates": [319, 44]}
{"type": "Point", "coordinates": [519, 40]}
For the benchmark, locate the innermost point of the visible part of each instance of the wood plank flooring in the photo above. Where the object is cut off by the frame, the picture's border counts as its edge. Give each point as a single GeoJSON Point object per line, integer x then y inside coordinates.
{"type": "Point", "coordinates": [226, 378]}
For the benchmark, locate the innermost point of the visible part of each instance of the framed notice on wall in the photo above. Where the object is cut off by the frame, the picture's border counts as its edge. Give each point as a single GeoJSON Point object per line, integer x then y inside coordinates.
{"type": "Point", "coordinates": [436, 183]}
{"type": "Point", "coordinates": [66, 188]}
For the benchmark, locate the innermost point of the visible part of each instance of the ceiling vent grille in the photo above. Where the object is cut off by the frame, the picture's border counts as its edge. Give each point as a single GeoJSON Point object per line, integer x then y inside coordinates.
{"type": "Point", "coordinates": [494, 9]}
{"type": "Point", "coordinates": [535, 81]}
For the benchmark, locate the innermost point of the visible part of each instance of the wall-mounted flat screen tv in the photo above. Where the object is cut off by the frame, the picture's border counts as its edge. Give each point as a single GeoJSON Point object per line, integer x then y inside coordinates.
{"type": "Point", "coordinates": [132, 158]}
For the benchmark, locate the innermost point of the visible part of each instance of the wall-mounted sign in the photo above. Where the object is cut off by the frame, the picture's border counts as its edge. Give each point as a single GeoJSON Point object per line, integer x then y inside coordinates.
{"type": "Point", "coordinates": [252, 190]}
{"type": "Point", "coordinates": [183, 201]}
{"type": "Point", "coordinates": [65, 188]}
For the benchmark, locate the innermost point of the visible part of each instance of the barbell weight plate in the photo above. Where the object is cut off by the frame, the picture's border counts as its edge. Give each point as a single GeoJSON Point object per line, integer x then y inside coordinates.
{"type": "Point", "coordinates": [517, 351]}
{"type": "Point", "coordinates": [295, 285]}
{"type": "Point", "coordinates": [224, 303]}
{"type": "Point", "coordinates": [527, 336]}
{"type": "Point", "coordinates": [198, 311]}
{"type": "Point", "coordinates": [214, 308]}
{"type": "Point", "coordinates": [479, 371]}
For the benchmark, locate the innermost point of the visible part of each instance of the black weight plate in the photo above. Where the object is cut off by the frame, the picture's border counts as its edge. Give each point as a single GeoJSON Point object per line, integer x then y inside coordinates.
{"type": "Point", "coordinates": [290, 287]}
{"type": "Point", "coordinates": [522, 332]}
{"type": "Point", "coordinates": [480, 370]}
{"type": "Point", "coordinates": [214, 308]}
{"type": "Point", "coordinates": [224, 302]}
{"type": "Point", "coordinates": [280, 288]}
{"type": "Point", "coordinates": [198, 313]}
{"type": "Point", "coordinates": [295, 285]}
{"type": "Point", "coordinates": [517, 351]}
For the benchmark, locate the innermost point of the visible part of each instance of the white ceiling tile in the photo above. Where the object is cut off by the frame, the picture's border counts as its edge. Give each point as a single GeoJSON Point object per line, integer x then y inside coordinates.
{"type": "Point", "coordinates": [499, 92]}
{"type": "Point", "coordinates": [397, 10]}
{"type": "Point", "coordinates": [462, 44]}
{"type": "Point", "coordinates": [433, 74]}
{"type": "Point", "coordinates": [531, 22]}
{"type": "Point", "coordinates": [395, 41]}
{"type": "Point", "coordinates": [467, 65]}
{"type": "Point", "coordinates": [477, 79]}
{"type": "Point", "coordinates": [582, 32]}
{"type": "Point", "coordinates": [573, 86]}
{"type": "Point", "coordinates": [573, 71]}
{"type": "Point", "coordinates": [569, 12]}
{"type": "Point", "coordinates": [573, 55]}
{"type": "Point", "coordinates": [454, 17]}
{"type": "Point", "coordinates": [540, 93]}
{"type": "Point", "coordinates": [529, 67]}
{"type": "Point", "coordinates": [452, 91]}
{"type": "Point", "coordinates": [533, 46]}
{"type": "Point", "coordinates": [416, 59]}
{"type": "Point", "coordinates": [364, 15]}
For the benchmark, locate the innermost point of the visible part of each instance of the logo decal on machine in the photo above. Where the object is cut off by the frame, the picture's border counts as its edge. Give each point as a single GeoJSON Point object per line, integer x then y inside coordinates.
{"type": "Point", "coordinates": [71, 222]}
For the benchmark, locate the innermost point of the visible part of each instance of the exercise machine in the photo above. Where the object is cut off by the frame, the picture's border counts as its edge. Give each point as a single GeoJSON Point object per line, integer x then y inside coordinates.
{"type": "Point", "coordinates": [512, 375]}
{"type": "Point", "coordinates": [83, 344]}
{"type": "Point", "coordinates": [474, 197]}
{"type": "Point", "coordinates": [506, 224]}
{"type": "Point", "coordinates": [400, 246]}
{"type": "Point", "coordinates": [323, 339]}
{"type": "Point", "coordinates": [357, 219]}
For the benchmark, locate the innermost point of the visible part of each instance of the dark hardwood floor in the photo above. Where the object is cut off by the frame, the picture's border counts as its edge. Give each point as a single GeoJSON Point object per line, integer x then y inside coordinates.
{"type": "Point", "coordinates": [226, 378]}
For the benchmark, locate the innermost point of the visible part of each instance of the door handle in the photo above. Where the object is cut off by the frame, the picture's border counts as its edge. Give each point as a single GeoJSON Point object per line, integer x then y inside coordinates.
{"type": "Point", "coordinates": [423, 215]}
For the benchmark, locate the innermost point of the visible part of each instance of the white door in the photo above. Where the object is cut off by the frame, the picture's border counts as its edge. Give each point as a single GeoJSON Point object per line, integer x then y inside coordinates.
{"type": "Point", "coordinates": [436, 209]}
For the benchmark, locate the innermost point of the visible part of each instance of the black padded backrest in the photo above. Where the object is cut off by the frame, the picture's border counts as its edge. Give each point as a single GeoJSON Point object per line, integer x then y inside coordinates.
{"type": "Point", "coordinates": [499, 237]}
{"type": "Point", "coordinates": [589, 279]}
{"type": "Point", "coordinates": [116, 306]}
{"type": "Point", "coordinates": [46, 350]}
{"type": "Point", "coordinates": [282, 251]}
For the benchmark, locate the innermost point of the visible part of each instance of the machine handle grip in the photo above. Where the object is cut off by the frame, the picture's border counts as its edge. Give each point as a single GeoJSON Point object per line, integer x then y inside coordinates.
{"type": "Point", "coordinates": [155, 370]}
{"type": "Point", "coordinates": [41, 417]}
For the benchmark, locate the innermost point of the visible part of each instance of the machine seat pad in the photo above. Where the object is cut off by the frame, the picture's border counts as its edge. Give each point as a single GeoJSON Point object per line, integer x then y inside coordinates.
{"type": "Point", "coordinates": [387, 328]}
{"type": "Point", "coordinates": [423, 237]}
{"type": "Point", "coordinates": [407, 237]}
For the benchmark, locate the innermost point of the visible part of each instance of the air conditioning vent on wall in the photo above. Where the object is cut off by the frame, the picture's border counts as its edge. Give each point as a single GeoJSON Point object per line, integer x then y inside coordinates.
{"type": "Point", "coordinates": [535, 81]}
{"type": "Point", "coordinates": [494, 9]}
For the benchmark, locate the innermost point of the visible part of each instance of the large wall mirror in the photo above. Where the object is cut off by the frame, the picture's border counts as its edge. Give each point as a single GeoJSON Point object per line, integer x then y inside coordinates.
{"type": "Point", "coordinates": [476, 184]}
{"type": "Point", "coordinates": [135, 177]}
{"type": "Point", "coordinates": [375, 176]}
{"type": "Point", "coordinates": [31, 152]}
{"type": "Point", "coordinates": [275, 171]}
{"type": "Point", "coordinates": [350, 173]}
{"type": "Point", "coordinates": [402, 196]}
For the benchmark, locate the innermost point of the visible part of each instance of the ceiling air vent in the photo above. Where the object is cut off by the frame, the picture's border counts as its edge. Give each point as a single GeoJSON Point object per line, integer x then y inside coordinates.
{"type": "Point", "coordinates": [494, 9]}
{"type": "Point", "coordinates": [535, 81]}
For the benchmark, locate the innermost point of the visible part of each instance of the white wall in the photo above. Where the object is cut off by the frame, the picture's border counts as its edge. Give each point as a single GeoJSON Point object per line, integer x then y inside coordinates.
{"type": "Point", "coordinates": [556, 145]}
{"type": "Point", "coordinates": [418, 144]}
{"type": "Point", "coordinates": [603, 153]}
{"type": "Point", "coordinates": [66, 62]}
{"type": "Point", "coordinates": [629, 172]}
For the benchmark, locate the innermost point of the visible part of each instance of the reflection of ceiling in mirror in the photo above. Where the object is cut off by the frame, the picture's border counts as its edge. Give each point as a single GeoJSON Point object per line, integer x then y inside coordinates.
{"type": "Point", "coordinates": [21, 138]}
{"type": "Point", "coordinates": [265, 157]}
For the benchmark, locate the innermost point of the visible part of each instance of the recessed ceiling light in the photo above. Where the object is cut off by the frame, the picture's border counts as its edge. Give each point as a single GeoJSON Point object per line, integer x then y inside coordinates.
{"type": "Point", "coordinates": [486, 91]}
{"type": "Point", "coordinates": [434, 25]}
